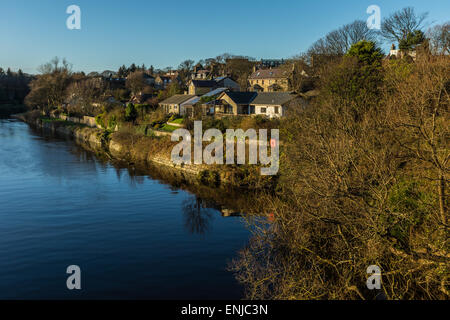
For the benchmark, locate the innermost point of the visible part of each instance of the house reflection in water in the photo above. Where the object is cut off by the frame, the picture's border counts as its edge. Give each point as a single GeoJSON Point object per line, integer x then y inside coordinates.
{"type": "Point", "coordinates": [226, 212]}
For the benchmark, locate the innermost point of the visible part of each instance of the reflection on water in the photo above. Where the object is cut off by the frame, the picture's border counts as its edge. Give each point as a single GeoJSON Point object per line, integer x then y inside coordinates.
{"type": "Point", "coordinates": [197, 216]}
{"type": "Point", "coordinates": [133, 235]}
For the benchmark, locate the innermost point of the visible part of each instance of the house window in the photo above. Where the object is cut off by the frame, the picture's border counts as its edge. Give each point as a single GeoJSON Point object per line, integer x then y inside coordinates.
{"type": "Point", "coordinates": [277, 110]}
{"type": "Point", "coordinates": [262, 81]}
{"type": "Point", "coordinates": [263, 110]}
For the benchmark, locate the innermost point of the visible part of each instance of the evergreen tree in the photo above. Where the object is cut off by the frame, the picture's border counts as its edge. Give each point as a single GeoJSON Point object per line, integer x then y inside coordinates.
{"type": "Point", "coordinates": [132, 68]}
{"type": "Point", "coordinates": [130, 113]}
{"type": "Point", "coordinates": [366, 52]}
{"type": "Point", "coordinates": [413, 39]}
{"type": "Point", "coordinates": [122, 72]}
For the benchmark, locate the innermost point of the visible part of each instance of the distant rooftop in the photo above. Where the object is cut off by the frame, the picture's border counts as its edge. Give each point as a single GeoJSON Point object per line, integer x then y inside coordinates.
{"type": "Point", "coordinates": [204, 83]}
{"type": "Point", "coordinates": [276, 73]}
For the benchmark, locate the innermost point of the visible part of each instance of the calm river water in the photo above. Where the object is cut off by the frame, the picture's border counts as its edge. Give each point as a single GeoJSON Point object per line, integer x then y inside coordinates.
{"type": "Point", "coordinates": [132, 236]}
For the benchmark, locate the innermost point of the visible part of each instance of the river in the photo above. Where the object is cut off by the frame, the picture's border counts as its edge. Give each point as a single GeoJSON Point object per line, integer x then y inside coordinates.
{"type": "Point", "coordinates": [133, 236]}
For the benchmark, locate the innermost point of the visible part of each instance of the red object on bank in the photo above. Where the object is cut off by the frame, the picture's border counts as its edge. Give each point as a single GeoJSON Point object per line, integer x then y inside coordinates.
{"type": "Point", "coordinates": [273, 143]}
{"type": "Point", "coordinates": [271, 217]}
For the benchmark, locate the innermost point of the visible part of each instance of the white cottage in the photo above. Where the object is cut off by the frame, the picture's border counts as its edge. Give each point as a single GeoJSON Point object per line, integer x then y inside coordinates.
{"type": "Point", "coordinates": [274, 104]}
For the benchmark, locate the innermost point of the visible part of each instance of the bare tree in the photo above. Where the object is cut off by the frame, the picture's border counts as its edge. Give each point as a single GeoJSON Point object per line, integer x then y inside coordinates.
{"type": "Point", "coordinates": [56, 65]}
{"type": "Point", "coordinates": [187, 65]}
{"type": "Point", "coordinates": [356, 191]}
{"type": "Point", "coordinates": [136, 82]}
{"type": "Point", "coordinates": [48, 90]}
{"type": "Point", "coordinates": [440, 38]}
{"type": "Point", "coordinates": [399, 24]}
{"type": "Point", "coordinates": [339, 41]}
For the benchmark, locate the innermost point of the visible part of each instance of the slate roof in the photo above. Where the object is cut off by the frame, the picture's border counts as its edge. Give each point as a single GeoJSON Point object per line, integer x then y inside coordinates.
{"type": "Point", "coordinates": [177, 99]}
{"type": "Point", "coordinates": [257, 87]}
{"type": "Point", "coordinates": [242, 97]}
{"type": "Point", "coordinates": [215, 92]}
{"type": "Point", "coordinates": [204, 83]}
{"type": "Point", "coordinates": [273, 98]}
{"type": "Point", "coordinates": [275, 73]}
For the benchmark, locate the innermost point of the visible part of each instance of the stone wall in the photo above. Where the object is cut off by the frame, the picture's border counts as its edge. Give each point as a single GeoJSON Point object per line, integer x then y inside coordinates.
{"type": "Point", "coordinates": [86, 120]}
{"type": "Point", "coordinates": [94, 139]}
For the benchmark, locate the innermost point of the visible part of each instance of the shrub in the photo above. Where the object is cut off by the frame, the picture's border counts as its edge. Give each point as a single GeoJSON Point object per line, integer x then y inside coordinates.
{"type": "Point", "coordinates": [130, 113]}
{"type": "Point", "coordinates": [209, 178]}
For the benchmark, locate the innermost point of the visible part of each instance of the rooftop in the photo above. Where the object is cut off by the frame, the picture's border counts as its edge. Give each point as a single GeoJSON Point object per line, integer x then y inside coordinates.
{"type": "Point", "coordinates": [276, 73]}
{"type": "Point", "coordinates": [215, 92]}
{"type": "Point", "coordinates": [178, 99]}
{"type": "Point", "coordinates": [273, 98]}
{"type": "Point", "coordinates": [242, 97]}
{"type": "Point", "coordinates": [204, 83]}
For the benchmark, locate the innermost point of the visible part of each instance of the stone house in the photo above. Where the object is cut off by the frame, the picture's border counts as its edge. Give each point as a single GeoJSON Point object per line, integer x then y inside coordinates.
{"type": "Point", "coordinates": [270, 80]}
{"type": "Point", "coordinates": [234, 103]}
{"type": "Point", "coordinates": [200, 87]}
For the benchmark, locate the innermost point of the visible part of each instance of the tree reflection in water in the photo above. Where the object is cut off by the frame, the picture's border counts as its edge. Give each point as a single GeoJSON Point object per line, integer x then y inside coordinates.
{"type": "Point", "coordinates": [197, 215]}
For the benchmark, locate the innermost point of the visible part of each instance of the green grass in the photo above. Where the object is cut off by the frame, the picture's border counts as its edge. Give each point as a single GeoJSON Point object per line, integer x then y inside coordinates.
{"type": "Point", "coordinates": [63, 122]}
{"type": "Point", "coordinates": [52, 120]}
{"type": "Point", "coordinates": [168, 128]}
{"type": "Point", "coordinates": [178, 121]}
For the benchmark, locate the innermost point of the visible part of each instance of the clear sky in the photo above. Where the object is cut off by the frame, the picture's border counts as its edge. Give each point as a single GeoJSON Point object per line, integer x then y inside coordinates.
{"type": "Point", "coordinates": [163, 33]}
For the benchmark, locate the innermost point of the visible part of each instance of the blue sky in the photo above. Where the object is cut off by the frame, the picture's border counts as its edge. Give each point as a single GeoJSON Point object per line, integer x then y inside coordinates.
{"type": "Point", "coordinates": [164, 33]}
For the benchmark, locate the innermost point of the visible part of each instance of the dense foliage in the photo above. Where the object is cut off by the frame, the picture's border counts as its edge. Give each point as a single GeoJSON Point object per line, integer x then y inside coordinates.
{"type": "Point", "coordinates": [363, 182]}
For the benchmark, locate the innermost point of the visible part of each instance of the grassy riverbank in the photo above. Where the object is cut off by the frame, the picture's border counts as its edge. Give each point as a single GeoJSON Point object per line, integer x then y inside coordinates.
{"type": "Point", "coordinates": [132, 146]}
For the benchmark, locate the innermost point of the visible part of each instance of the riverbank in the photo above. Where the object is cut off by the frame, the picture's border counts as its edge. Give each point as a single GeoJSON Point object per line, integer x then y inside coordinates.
{"type": "Point", "coordinates": [64, 205]}
{"type": "Point", "coordinates": [144, 152]}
